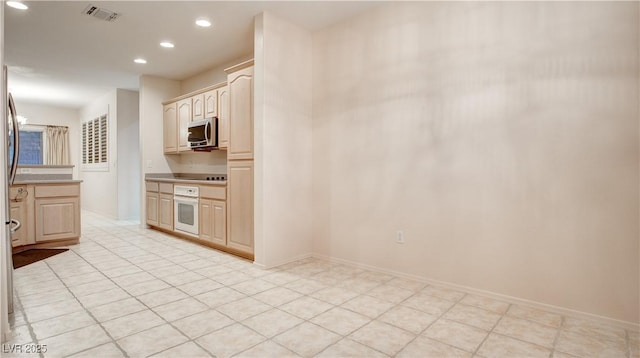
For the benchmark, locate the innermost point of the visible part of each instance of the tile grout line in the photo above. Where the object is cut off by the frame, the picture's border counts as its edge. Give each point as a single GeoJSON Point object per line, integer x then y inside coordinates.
{"type": "Point", "coordinates": [100, 323]}
{"type": "Point", "coordinates": [215, 309]}
{"type": "Point", "coordinates": [441, 316]}
{"type": "Point", "coordinates": [151, 310]}
{"type": "Point", "coordinates": [32, 333]}
{"type": "Point", "coordinates": [305, 320]}
{"type": "Point", "coordinates": [475, 352]}
{"type": "Point", "coordinates": [628, 342]}
{"type": "Point", "coordinates": [154, 250]}
{"type": "Point", "coordinates": [358, 294]}
{"type": "Point", "coordinates": [89, 313]}
{"type": "Point", "coordinates": [557, 337]}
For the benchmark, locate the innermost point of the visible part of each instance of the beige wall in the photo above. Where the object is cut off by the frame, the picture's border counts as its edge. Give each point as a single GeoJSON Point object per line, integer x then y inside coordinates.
{"type": "Point", "coordinates": [502, 138]}
{"type": "Point", "coordinates": [283, 138]}
{"type": "Point", "coordinates": [154, 91]}
{"type": "Point", "coordinates": [99, 188]}
{"type": "Point", "coordinates": [56, 116]}
{"type": "Point", "coordinates": [110, 192]}
{"type": "Point", "coordinates": [128, 154]}
{"type": "Point", "coordinates": [211, 76]}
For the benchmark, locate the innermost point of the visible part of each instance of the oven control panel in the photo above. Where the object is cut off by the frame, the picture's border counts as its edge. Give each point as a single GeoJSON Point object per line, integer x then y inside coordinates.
{"type": "Point", "coordinates": [183, 190]}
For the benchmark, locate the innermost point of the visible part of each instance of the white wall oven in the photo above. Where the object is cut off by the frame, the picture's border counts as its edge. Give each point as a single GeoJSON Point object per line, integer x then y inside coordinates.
{"type": "Point", "coordinates": [185, 209]}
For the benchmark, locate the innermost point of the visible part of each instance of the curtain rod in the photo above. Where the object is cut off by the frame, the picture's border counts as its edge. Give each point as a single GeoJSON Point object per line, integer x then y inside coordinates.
{"type": "Point", "coordinates": [42, 125]}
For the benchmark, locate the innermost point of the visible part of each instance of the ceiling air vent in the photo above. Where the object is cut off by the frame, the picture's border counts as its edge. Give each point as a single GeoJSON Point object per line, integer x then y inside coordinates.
{"type": "Point", "coordinates": [100, 13]}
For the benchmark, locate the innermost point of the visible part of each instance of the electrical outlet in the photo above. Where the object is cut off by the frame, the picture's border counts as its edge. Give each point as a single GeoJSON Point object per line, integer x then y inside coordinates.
{"type": "Point", "coordinates": [399, 237]}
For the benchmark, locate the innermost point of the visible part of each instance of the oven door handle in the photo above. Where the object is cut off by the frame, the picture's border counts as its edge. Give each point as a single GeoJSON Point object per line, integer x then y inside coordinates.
{"type": "Point", "coordinates": [184, 199]}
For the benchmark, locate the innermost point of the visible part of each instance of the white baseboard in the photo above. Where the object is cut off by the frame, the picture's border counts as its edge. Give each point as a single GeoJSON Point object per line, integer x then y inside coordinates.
{"type": "Point", "coordinates": [284, 262]}
{"type": "Point", "coordinates": [509, 299]}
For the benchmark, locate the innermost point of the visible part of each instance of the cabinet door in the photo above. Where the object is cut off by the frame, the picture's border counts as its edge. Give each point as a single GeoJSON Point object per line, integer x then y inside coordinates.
{"type": "Point", "coordinates": [165, 211]}
{"type": "Point", "coordinates": [169, 121]}
{"type": "Point", "coordinates": [19, 212]}
{"type": "Point", "coordinates": [219, 222]}
{"type": "Point", "coordinates": [211, 104]}
{"type": "Point", "coordinates": [205, 210]}
{"type": "Point", "coordinates": [241, 114]}
{"type": "Point", "coordinates": [213, 217]}
{"type": "Point", "coordinates": [152, 209]}
{"type": "Point", "coordinates": [197, 106]}
{"type": "Point", "coordinates": [184, 117]}
{"type": "Point", "coordinates": [57, 218]}
{"type": "Point", "coordinates": [223, 117]}
{"type": "Point", "coordinates": [240, 206]}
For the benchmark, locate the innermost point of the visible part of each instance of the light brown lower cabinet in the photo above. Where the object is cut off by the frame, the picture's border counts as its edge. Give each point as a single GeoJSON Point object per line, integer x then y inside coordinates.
{"type": "Point", "coordinates": [49, 214]}
{"type": "Point", "coordinates": [240, 205]}
{"type": "Point", "coordinates": [213, 221]}
{"type": "Point", "coordinates": [19, 212]}
{"type": "Point", "coordinates": [57, 218]}
{"type": "Point", "coordinates": [165, 211]}
{"type": "Point", "coordinates": [215, 205]}
{"type": "Point", "coordinates": [152, 208]}
{"type": "Point", "coordinates": [159, 204]}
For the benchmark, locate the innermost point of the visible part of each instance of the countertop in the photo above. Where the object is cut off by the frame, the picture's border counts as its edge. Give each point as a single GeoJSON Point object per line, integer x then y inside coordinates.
{"type": "Point", "coordinates": [36, 166]}
{"type": "Point", "coordinates": [45, 181]}
{"type": "Point", "coordinates": [189, 181]}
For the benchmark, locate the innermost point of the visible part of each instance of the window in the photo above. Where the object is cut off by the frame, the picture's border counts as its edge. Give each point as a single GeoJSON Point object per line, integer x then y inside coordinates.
{"type": "Point", "coordinates": [31, 146]}
{"type": "Point", "coordinates": [95, 144]}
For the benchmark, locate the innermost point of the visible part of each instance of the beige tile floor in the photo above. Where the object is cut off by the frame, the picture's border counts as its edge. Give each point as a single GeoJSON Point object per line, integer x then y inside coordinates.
{"type": "Point", "coordinates": [131, 292]}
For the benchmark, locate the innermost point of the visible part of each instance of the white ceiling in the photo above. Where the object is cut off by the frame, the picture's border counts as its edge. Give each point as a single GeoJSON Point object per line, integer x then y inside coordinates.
{"type": "Point", "coordinates": [59, 56]}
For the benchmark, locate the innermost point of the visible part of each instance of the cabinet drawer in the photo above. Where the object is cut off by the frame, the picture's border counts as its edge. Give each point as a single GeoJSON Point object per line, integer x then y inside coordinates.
{"type": "Point", "coordinates": [152, 186]}
{"type": "Point", "coordinates": [213, 192]}
{"type": "Point", "coordinates": [15, 190]}
{"type": "Point", "coordinates": [51, 191]}
{"type": "Point", "coordinates": [166, 188]}
{"type": "Point", "coordinates": [18, 193]}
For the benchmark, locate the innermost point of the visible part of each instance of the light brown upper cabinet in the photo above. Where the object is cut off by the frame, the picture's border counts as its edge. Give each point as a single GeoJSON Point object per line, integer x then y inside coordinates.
{"type": "Point", "coordinates": [184, 117]}
{"type": "Point", "coordinates": [201, 104]}
{"type": "Point", "coordinates": [210, 104]}
{"type": "Point", "coordinates": [240, 82]}
{"type": "Point", "coordinates": [204, 105]}
{"type": "Point", "coordinates": [169, 124]}
{"type": "Point", "coordinates": [198, 107]}
{"type": "Point", "coordinates": [223, 117]}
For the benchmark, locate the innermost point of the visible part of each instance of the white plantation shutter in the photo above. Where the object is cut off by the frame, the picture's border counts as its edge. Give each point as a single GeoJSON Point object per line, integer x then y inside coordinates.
{"type": "Point", "coordinates": [103, 139]}
{"type": "Point", "coordinates": [95, 144]}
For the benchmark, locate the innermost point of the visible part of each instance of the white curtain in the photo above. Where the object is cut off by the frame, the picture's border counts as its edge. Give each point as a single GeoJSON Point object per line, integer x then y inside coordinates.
{"type": "Point", "coordinates": [57, 146]}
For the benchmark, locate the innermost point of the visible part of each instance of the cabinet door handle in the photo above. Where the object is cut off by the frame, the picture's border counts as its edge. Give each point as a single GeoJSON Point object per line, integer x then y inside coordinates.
{"type": "Point", "coordinates": [17, 226]}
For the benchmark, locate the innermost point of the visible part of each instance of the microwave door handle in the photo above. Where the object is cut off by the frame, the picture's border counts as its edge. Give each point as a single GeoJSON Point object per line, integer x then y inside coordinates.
{"type": "Point", "coordinates": [16, 140]}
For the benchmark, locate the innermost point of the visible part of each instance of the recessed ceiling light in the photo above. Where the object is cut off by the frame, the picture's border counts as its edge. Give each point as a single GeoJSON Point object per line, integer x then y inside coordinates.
{"type": "Point", "coordinates": [167, 44]}
{"type": "Point", "coordinates": [17, 5]}
{"type": "Point", "coordinates": [203, 22]}
{"type": "Point", "coordinates": [140, 60]}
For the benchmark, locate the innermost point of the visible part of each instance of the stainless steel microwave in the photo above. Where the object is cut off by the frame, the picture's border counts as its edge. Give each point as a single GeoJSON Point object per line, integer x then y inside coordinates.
{"type": "Point", "coordinates": [203, 134]}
